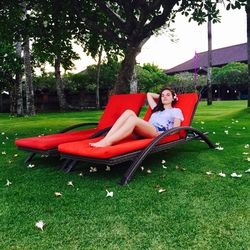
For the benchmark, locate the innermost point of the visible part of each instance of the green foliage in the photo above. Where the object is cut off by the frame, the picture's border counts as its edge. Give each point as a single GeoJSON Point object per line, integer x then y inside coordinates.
{"type": "Point", "coordinates": [10, 64]}
{"type": "Point", "coordinates": [230, 74]}
{"type": "Point", "coordinates": [151, 78]}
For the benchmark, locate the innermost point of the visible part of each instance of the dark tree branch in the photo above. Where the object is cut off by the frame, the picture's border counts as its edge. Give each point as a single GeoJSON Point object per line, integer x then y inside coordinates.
{"type": "Point", "coordinates": [117, 20]}
{"type": "Point", "coordinates": [159, 21]}
{"type": "Point", "coordinates": [90, 23]}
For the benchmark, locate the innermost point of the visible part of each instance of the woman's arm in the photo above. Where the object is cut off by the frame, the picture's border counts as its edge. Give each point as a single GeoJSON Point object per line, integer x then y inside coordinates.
{"type": "Point", "coordinates": [151, 101]}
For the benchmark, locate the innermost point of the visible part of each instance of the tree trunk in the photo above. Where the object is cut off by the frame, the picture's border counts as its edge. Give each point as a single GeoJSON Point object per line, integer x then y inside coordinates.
{"type": "Point", "coordinates": [98, 79]}
{"type": "Point", "coordinates": [59, 85]}
{"type": "Point", "coordinates": [209, 68]}
{"type": "Point", "coordinates": [12, 99]}
{"type": "Point", "coordinates": [248, 49]}
{"type": "Point", "coordinates": [19, 85]}
{"type": "Point", "coordinates": [126, 80]}
{"type": "Point", "coordinates": [30, 103]}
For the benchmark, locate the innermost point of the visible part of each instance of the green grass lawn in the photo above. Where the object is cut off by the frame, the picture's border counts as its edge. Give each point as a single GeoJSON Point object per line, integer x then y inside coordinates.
{"type": "Point", "coordinates": [197, 211]}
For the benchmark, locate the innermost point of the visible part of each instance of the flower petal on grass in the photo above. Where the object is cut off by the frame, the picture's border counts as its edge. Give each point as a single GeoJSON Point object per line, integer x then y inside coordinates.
{"type": "Point", "coordinates": [163, 166]}
{"type": "Point", "coordinates": [8, 183]}
{"type": "Point", "coordinates": [226, 132]}
{"type": "Point", "coordinates": [248, 159]}
{"type": "Point", "coordinates": [15, 155]}
{"type": "Point", "coordinates": [247, 171]}
{"type": "Point", "coordinates": [58, 194]}
{"type": "Point", "coordinates": [142, 168]}
{"type": "Point", "coordinates": [109, 194]}
{"type": "Point", "coordinates": [93, 169]}
{"type": "Point", "coordinates": [3, 153]}
{"type": "Point", "coordinates": [245, 153]}
{"type": "Point", "coordinates": [40, 224]}
{"type": "Point", "coordinates": [235, 175]}
{"type": "Point", "coordinates": [149, 171]}
{"type": "Point", "coordinates": [246, 146]}
{"type": "Point", "coordinates": [163, 162]}
{"type": "Point", "coordinates": [209, 172]}
{"type": "Point", "coordinates": [161, 190]}
{"type": "Point", "coordinates": [219, 148]}
{"type": "Point", "coordinates": [107, 168]}
{"type": "Point", "coordinates": [70, 183]}
{"type": "Point", "coordinates": [217, 143]}
{"type": "Point", "coordinates": [222, 174]}
{"type": "Point", "coordinates": [31, 166]}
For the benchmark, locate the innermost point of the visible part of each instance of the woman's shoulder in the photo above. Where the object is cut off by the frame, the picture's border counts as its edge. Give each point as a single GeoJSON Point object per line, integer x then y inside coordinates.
{"type": "Point", "coordinates": [176, 110]}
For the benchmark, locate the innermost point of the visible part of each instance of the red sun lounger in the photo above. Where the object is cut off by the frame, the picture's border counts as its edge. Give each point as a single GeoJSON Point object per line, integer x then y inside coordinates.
{"type": "Point", "coordinates": [135, 150]}
{"type": "Point", "coordinates": [48, 144]}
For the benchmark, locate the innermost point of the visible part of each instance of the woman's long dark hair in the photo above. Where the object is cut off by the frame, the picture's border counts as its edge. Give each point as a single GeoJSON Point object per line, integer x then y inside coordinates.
{"type": "Point", "coordinates": [160, 106]}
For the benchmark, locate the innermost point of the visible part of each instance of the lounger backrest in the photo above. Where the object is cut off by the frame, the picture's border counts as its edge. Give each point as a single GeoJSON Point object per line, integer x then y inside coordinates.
{"type": "Point", "coordinates": [117, 104]}
{"type": "Point", "coordinates": [187, 103]}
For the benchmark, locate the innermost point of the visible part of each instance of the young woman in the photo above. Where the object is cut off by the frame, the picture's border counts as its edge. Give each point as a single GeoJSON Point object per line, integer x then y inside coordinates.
{"type": "Point", "coordinates": [164, 117]}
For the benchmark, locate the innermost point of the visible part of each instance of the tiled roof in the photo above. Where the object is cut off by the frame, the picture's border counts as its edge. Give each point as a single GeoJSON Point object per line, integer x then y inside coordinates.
{"type": "Point", "coordinates": [222, 56]}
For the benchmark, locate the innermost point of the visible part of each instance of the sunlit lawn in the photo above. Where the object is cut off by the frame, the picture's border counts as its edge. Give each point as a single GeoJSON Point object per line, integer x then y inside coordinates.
{"type": "Point", "coordinates": [197, 211]}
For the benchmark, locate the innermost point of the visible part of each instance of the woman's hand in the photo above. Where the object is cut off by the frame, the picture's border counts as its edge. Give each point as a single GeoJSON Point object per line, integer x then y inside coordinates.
{"type": "Point", "coordinates": [151, 99]}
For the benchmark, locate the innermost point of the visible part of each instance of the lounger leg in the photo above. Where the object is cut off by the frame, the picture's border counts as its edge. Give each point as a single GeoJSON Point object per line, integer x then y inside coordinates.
{"type": "Point", "coordinates": [131, 171]}
{"type": "Point", "coordinates": [65, 164]}
{"type": "Point", "coordinates": [30, 157]}
{"type": "Point", "coordinates": [70, 166]}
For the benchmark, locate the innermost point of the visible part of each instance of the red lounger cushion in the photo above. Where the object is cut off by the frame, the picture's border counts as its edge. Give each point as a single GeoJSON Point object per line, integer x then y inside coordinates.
{"type": "Point", "coordinates": [117, 104]}
{"type": "Point", "coordinates": [82, 148]}
{"type": "Point", "coordinates": [52, 141]}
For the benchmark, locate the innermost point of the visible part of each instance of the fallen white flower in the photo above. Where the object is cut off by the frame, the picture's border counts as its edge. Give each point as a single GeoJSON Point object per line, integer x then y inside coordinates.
{"type": "Point", "coordinates": [245, 153]}
{"type": "Point", "coordinates": [219, 148]}
{"type": "Point", "coordinates": [15, 155]}
{"type": "Point", "coordinates": [247, 171]}
{"type": "Point", "coordinates": [202, 122]}
{"type": "Point", "coordinates": [236, 121]}
{"type": "Point", "coordinates": [149, 171]}
{"type": "Point", "coordinates": [237, 133]}
{"type": "Point", "coordinates": [243, 128]}
{"type": "Point", "coordinates": [222, 174]}
{"type": "Point", "coordinates": [246, 146]}
{"type": "Point", "coordinates": [40, 224]}
{"type": "Point", "coordinates": [164, 166]}
{"type": "Point", "coordinates": [161, 190]}
{"type": "Point", "coordinates": [31, 166]}
{"type": "Point", "coordinates": [109, 194]}
{"type": "Point", "coordinates": [3, 133]}
{"type": "Point", "coordinates": [70, 183]}
{"type": "Point", "coordinates": [8, 183]}
{"type": "Point", "coordinates": [209, 173]}
{"type": "Point", "coordinates": [93, 169]}
{"type": "Point", "coordinates": [58, 194]}
{"type": "Point", "coordinates": [3, 153]}
{"type": "Point", "coordinates": [163, 162]}
{"type": "Point", "coordinates": [217, 143]}
{"type": "Point", "coordinates": [81, 174]}
{"type": "Point", "coordinates": [248, 159]}
{"type": "Point", "coordinates": [214, 133]}
{"type": "Point", "coordinates": [226, 132]}
{"type": "Point", "coordinates": [142, 168]}
{"type": "Point", "coordinates": [107, 168]}
{"type": "Point", "coordinates": [236, 175]}
{"type": "Point", "coordinates": [3, 142]}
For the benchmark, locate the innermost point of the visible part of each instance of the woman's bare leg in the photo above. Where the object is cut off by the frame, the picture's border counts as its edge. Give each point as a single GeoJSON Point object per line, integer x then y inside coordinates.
{"type": "Point", "coordinates": [120, 121]}
{"type": "Point", "coordinates": [142, 127]}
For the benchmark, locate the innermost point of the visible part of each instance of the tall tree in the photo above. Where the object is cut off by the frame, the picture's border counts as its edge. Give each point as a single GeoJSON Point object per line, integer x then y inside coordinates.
{"type": "Point", "coordinates": [130, 23]}
{"type": "Point", "coordinates": [53, 34]}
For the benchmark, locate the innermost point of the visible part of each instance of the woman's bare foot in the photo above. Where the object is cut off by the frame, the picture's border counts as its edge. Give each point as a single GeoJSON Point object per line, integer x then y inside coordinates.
{"type": "Point", "coordinates": [100, 144]}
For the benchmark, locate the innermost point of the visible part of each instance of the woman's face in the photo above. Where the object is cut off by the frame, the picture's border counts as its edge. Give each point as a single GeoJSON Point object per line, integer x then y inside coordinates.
{"type": "Point", "coordinates": [167, 97]}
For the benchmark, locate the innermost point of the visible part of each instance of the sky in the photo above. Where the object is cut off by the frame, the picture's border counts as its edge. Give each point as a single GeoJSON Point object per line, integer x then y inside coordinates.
{"type": "Point", "coordinates": [191, 37]}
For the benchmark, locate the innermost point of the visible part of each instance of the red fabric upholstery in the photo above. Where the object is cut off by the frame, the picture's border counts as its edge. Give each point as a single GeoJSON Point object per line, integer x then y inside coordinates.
{"type": "Point", "coordinates": [82, 148]}
{"type": "Point", "coordinates": [52, 141]}
{"type": "Point", "coordinates": [187, 104]}
{"type": "Point", "coordinates": [117, 104]}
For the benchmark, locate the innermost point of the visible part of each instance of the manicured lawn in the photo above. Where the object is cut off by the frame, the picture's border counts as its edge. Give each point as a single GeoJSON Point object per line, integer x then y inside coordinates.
{"type": "Point", "coordinates": [197, 211]}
